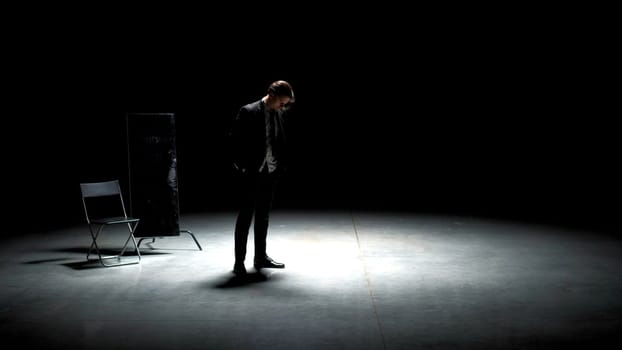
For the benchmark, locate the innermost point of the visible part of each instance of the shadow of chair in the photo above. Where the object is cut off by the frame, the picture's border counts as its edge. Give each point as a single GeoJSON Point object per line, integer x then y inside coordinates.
{"type": "Point", "coordinates": [104, 207]}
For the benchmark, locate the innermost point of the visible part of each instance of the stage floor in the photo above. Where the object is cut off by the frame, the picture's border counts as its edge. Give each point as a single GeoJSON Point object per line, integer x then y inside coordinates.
{"type": "Point", "coordinates": [353, 280]}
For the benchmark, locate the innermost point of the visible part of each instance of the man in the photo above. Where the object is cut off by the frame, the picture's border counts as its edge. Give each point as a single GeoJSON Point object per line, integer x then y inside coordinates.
{"type": "Point", "coordinates": [258, 149]}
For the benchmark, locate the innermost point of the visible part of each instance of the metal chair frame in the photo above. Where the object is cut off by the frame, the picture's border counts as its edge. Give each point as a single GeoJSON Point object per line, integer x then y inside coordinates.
{"type": "Point", "coordinates": [97, 225]}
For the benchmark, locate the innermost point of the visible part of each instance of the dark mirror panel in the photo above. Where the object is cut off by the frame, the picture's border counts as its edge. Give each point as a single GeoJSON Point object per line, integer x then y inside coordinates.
{"type": "Point", "coordinates": [152, 159]}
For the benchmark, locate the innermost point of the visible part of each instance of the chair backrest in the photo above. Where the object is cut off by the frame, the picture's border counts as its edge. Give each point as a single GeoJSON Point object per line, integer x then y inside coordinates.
{"type": "Point", "coordinates": [103, 189]}
{"type": "Point", "coordinates": [100, 189]}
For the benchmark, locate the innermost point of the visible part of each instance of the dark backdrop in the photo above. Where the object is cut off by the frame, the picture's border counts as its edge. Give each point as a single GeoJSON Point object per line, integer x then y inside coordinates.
{"type": "Point", "coordinates": [506, 124]}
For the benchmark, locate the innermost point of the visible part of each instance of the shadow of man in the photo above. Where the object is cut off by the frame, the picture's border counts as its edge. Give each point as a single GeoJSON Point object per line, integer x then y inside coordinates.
{"type": "Point", "coordinates": [243, 280]}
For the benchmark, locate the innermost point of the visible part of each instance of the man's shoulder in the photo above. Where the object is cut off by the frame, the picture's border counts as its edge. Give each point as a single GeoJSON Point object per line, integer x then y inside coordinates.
{"type": "Point", "coordinates": [252, 107]}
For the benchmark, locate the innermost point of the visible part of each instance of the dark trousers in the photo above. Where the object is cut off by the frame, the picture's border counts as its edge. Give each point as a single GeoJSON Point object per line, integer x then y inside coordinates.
{"type": "Point", "coordinates": [256, 193]}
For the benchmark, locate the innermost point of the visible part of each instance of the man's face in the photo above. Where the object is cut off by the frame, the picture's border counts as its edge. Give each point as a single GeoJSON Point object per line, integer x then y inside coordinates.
{"type": "Point", "coordinates": [283, 102]}
{"type": "Point", "coordinates": [279, 103]}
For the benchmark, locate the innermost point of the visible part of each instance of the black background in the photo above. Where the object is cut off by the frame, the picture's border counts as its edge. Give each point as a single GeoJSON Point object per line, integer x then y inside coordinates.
{"type": "Point", "coordinates": [502, 117]}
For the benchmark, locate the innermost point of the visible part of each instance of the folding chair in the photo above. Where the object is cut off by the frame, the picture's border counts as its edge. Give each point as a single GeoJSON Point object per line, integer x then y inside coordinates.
{"type": "Point", "coordinates": [105, 198]}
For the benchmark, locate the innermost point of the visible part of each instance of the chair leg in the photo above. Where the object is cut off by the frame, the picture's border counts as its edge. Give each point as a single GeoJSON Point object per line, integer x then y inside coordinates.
{"type": "Point", "coordinates": [131, 236]}
{"type": "Point", "coordinates": [117, 256]}
{"type": "Point", "coordinates": [94, 242]}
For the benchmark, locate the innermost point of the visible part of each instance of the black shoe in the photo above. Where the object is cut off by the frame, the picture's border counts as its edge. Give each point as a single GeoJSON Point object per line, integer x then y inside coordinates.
{"type": "Point", "coordinates": [267, 263]}
{"type": "Point", "coordinates": [239, 269]}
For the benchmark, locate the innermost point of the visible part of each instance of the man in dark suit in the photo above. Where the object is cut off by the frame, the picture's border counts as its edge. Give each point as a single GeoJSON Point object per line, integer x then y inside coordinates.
{"type": "Point", "coordinates": [257, 139]}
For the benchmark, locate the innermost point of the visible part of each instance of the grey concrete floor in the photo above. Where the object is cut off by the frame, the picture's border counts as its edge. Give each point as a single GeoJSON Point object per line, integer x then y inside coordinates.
{"type": "Point", "coordinates": [361, 280]}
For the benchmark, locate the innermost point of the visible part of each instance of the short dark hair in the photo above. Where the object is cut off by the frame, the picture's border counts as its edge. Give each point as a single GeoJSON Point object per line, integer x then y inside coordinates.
{"type": "Point", "coordinates": [281, 88]}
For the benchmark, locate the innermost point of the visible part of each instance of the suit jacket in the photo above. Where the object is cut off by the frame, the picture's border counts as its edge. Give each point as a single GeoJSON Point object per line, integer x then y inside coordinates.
{"type": "Point", "coordinates": [247, 138]}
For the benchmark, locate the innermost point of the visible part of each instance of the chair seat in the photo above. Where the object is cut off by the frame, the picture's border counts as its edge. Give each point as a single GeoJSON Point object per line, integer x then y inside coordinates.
{"type": "Point", "coordinates": [113, 220]}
